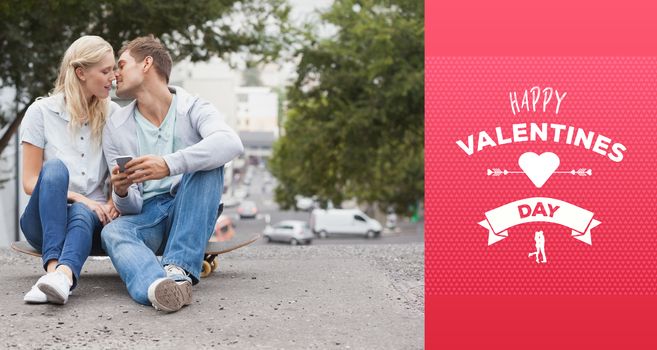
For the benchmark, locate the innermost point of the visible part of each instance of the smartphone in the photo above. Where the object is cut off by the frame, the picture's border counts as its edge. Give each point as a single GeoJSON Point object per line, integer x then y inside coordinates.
{"type": "Point", "coordinates": [121, 161]}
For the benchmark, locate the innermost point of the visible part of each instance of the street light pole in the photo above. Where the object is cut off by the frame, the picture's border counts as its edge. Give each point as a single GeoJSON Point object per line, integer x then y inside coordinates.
{"type": "Point", "coordinates": [17, 187]}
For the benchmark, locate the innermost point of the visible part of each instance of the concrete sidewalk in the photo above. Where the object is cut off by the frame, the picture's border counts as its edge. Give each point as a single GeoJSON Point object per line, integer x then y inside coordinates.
{"type": "Point", "coordinates": [271, 297]}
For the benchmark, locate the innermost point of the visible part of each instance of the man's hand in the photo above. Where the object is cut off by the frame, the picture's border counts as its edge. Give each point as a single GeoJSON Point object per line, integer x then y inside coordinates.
{"type": "Point", "coordinates": [145, 168]}
{"type": "Point", "coordinates": [120, 182]}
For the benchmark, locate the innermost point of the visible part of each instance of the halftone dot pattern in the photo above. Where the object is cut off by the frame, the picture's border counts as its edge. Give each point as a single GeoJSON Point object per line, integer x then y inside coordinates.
{"type": "Point", "coordinates": [611, 96]}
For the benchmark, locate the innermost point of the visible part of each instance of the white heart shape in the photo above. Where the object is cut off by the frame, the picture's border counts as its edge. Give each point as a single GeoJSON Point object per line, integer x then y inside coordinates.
{"type": "Point", "coordinates": [539, 168]}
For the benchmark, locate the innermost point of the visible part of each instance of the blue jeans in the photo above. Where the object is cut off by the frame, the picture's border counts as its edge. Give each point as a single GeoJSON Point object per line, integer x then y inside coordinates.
{"type": "Point", "coordinates": [178, 227]}
{"type": "Point", "coordinates": [58, 230]}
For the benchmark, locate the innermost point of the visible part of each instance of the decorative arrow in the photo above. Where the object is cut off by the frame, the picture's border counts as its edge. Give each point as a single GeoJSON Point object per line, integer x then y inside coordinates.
{"type": "Point", "coordinates": [494, 172]}
{"type": "Point", "coordinates": [581, 172]}
{"type": "Point", "coordinates": [498, 172]}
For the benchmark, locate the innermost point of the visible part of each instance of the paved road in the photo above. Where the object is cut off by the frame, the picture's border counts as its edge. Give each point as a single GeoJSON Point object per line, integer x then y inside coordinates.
{"type": "Point", "coordinates": [262, 194]}
{"type": "Point", "coordinates": [262, 297]}
{"type": "Point", "coordinates": [338, 293]}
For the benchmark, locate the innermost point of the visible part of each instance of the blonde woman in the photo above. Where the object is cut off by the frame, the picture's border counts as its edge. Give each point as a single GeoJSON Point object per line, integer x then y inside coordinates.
{"type": "Point", "coordinates": [64, 169]}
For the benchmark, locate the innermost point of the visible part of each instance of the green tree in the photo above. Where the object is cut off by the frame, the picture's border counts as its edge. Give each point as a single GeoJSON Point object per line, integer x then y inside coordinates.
{"type": "Point", "coordinates": [34, 35]}
{"type": "Point", "coordinates": [355, 123]}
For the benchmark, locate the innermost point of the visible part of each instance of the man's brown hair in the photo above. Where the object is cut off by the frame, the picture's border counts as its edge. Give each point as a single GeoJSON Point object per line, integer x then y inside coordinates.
{"type": "Point", "coordinates": [150, 46]}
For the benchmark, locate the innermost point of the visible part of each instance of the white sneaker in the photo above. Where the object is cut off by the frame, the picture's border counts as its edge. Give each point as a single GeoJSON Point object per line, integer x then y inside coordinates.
{"type": "Point", "coordinates": [167, 295]}
{"type": "Point", "coordinates": [55, 286]}
{"type": "Point", "coordinates": [177, 273]}
{"type": "Point", "coordinates": [35, 296]}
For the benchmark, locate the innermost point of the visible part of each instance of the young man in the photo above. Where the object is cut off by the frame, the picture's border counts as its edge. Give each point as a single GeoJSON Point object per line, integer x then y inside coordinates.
{"type": "Point", "coordinates": [169, 193]}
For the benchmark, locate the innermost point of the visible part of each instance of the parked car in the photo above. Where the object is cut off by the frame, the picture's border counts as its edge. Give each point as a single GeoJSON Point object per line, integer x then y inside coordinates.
{"type": "Point", "coordinates": [224, 229]}
{"type": "Point", "coordinates": [304, 203]}
{"type": "Point", "coordinates": [343, 222]}
{"type": "Point", "coordinates": [229, 201]}
{"type": "Point", "coordinates": [292, 231]}
{"type": "Point", "coordinates": [241, 193]}
{"type": "Point", "coordinates": [247, 209]}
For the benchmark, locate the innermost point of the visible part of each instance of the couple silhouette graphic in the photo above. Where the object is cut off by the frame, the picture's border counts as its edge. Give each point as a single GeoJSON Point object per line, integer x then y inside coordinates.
{"type": "Point", "coordinates": [540, 247]}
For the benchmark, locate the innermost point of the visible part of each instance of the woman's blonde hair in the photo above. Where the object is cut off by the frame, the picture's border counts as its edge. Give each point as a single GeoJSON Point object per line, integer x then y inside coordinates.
{"type": "Point", "coordinates": [84, 53]}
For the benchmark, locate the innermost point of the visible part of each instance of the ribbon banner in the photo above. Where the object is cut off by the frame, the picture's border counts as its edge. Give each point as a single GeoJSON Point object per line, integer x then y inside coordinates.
{"type": "Point", "coordinates": [539, 209]}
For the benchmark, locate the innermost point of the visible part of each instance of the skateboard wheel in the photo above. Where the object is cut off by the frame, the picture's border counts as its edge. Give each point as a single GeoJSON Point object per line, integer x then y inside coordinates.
{"type": "Point", "coordinates": [214, 264]}
{"type": "Point", "coordinates": [206, 270]}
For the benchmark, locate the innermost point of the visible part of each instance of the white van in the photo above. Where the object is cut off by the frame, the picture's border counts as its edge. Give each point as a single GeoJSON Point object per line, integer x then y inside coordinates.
{"type": "Point", "coordinates": [344, 222]}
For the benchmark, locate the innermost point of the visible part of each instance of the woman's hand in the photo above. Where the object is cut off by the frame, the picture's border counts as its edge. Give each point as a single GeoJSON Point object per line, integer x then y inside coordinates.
{"type": "Point", "coordinates": [111, 209]}
{"type": "Point", "coordinates": [102, 210]}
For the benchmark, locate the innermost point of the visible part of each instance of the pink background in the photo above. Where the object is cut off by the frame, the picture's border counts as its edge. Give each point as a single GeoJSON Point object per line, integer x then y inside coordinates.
{"type": "Point", "coordinates": [615, 97]}
{"type": "Point", "coordinates": [604, 55]}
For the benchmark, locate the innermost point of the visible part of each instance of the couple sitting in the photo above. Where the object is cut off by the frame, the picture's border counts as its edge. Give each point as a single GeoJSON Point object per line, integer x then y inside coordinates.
{"type": "Point", "coordinates": [166, 198]}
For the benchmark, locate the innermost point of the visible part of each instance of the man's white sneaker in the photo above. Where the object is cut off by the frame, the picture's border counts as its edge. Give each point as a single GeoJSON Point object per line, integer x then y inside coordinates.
{"type": "Point", "coordinates": [177, 273]}
{"type": "Point", "coordinates": [165, 294]}
{"type": "Point", "coordinates": [35, 296]}
{"type": "Point", "coordinates": [55, 286]}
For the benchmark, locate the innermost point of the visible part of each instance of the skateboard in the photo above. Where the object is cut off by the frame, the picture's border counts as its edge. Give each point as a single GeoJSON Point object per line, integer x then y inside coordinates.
{"type": "Point", "coordinates": [212, 250]}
